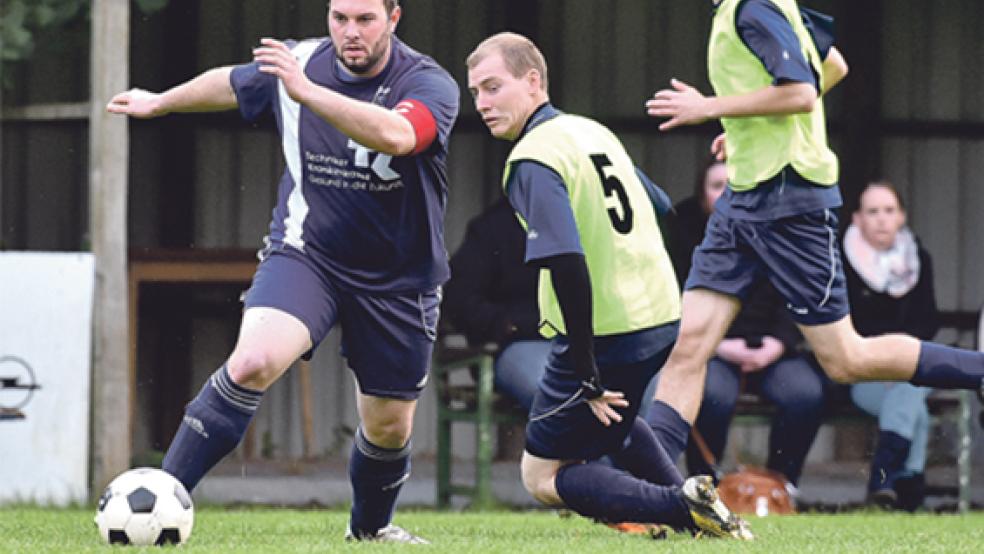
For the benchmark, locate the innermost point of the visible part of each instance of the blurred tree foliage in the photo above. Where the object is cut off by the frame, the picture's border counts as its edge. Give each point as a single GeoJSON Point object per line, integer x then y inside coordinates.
{"type": "Point", "coordinates": [20, 20]}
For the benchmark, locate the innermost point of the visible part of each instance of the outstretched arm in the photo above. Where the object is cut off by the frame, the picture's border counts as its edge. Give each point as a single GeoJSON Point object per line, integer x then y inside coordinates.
{"type": "Point", "coordinates": [685, 105]}
{"type": "Point", "coordinates": [209, 92]}
{"type": "Point", "coordinates": [770, 37]}
{"type": "Point", "coordinates": [370, 125]}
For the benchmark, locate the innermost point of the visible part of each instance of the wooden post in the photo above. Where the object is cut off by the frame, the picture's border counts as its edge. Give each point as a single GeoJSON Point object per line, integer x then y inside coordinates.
{"type": "Point", "coordinates": [108, 159]}
{"type": "Point", "coordinates": [307, 408]}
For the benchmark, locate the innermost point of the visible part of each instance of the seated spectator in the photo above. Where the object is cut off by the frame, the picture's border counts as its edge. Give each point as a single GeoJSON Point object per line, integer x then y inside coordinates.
{"type": "Point", "coordinates": [686, 225]}
{"type": "Point", "coordinates": [890, 286]}
{"type": "Point", "coordinates": [760, 354]}
{"type": "Point", "coordinates": [491, 298]}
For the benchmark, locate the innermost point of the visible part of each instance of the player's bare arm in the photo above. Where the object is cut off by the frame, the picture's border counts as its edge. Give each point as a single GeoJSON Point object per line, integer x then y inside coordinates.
{"type": "Point", "coordinates": [685, 105]}
{"type": "Point", "coordinates": [372, 126]}
{"type": "Point", "coordinates": [834, 69]}
{"type": "Point", "coordinates": [209, 92]}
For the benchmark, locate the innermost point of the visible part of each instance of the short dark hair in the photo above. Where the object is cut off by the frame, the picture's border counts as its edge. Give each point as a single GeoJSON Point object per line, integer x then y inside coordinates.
{"type": "Point", "coordinates": [390, 5]}
{"type": "Point", "coordinates": [884, 184]}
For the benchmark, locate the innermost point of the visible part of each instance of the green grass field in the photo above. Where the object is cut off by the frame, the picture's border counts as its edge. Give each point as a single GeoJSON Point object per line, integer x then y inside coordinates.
{"type": "Point", "coordinates": [34, 530]}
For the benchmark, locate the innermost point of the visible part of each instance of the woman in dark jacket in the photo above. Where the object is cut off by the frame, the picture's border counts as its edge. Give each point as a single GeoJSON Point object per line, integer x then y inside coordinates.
{"type": "Point", "coordinates": [890, 286]}
{"type": "Point", "coordinates": [491, 298]}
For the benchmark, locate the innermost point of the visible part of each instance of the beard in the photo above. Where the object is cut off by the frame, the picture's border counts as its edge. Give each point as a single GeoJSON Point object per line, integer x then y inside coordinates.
{"type": "Point", "coordinates": [375, 54]}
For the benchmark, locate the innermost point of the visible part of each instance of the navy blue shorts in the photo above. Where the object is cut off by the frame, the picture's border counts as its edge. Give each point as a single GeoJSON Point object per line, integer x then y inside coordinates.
{"type": "Point", "coordinates": [799, 255]}
{"type": "Point", "coordinates": [563, 430]}
{"type": "Point", "coordinates": [387, 339]}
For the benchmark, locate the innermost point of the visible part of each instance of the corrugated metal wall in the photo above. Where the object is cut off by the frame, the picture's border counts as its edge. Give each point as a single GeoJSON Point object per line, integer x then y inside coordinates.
{"type": "Point", "coordinates": [934, 144]}
{"type": "Point", "coordinates": [209, 181]}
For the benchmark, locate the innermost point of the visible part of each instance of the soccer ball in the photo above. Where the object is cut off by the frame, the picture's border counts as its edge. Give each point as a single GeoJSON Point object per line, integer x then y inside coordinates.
{"type": "Point", "coordinates": [145, 506]}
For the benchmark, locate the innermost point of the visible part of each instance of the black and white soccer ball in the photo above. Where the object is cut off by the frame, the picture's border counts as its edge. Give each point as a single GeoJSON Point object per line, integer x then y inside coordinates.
{"type": "Point", "coordinates": [145, 506]}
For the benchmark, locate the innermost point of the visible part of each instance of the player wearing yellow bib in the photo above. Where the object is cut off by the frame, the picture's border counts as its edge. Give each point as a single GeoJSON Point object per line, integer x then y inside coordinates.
{"type": "Point", "coordinates": [607, 295]}
{"type": "Point", "coordinates": [633, 286]}
{"type": "Point", "coordinates": [770, 63]}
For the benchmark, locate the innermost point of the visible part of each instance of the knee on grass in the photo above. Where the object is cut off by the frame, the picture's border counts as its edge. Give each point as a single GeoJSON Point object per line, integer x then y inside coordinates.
{"type": "Point", "coordinates": [542, 487]}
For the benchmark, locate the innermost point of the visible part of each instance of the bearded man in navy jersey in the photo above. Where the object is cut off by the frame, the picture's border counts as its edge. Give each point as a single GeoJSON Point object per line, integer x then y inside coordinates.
{"type": "Point", "coordinates": [356, 239]}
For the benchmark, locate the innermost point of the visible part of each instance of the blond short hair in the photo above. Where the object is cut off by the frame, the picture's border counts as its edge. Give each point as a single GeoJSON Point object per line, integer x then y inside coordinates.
{"type": "Point", "coordinates": [518, 53]}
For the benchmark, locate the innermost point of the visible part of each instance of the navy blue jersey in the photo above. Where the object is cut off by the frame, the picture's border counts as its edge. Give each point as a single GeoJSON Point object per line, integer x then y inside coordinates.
{"type": "Point", "coordinates": [767, 33]}
{"type": "Point", "coordinates": [539, 195]}
{"type": "Point", "coordinates": [541, 198]}
{"type": "Point", "coordinates": [371, 221]}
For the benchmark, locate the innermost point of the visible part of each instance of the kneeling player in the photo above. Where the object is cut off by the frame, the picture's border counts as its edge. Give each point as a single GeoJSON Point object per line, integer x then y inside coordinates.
{"type": "Point", "coordinates": [610, 298]}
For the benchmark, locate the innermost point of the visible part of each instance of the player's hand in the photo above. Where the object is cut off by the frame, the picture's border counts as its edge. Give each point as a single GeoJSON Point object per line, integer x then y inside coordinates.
{"type": "Point", "coordinates": [719, 148]}
{"type": "Point", "coordinates": [276, 59]}
{"type": "Point", "coordinates": [683, 104]}
{"type": "Point", "coordinates": [137, 103]}
{"type": "Point", "coordinates": [603, 407]}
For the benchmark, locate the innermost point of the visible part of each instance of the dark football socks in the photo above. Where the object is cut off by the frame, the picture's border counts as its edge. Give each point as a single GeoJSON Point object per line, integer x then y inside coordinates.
{"type": "Point", "coordinates": [889, 459]}
{"type": "Point", "coordinates": [671, 429]}
{"type": "Point", "coordinates": [213, 424]}
{"type": "Point", "coordinates": [377, 475]}
{"type": "Point", "coordinates": [945, 367]}
{"type": "Point", "coordinates": [644, 457]}
{"type": "Point", "coordinates": [608, 494]}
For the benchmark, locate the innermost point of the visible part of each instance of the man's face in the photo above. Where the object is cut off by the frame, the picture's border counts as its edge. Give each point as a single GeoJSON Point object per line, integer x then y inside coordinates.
{"type": "Point", "coordinates": [361, 31]}
{"type": "Point", "coordinates": [715, 181]}
{"type": "Point", "coordinates": [505, 102]}
{"type": "Point", "coordinates": [879, 217]}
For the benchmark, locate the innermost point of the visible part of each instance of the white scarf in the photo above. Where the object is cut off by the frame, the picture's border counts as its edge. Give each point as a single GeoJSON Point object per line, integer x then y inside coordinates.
{"type": "Point", "coordinates": [894, 271]}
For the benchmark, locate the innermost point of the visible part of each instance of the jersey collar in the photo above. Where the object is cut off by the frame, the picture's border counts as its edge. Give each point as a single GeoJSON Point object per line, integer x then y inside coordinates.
{"type": "Point", "coordinates": [545, 112]}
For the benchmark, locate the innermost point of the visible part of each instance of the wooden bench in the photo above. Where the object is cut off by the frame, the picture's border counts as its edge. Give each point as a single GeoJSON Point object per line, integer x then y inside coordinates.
{"type": "Point", "coordinates": [200, 267]}
{"type": "Point", "coordinates": [944, 406]}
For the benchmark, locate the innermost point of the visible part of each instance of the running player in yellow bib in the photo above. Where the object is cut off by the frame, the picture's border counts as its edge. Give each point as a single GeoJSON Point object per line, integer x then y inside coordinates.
{"type": "Point", "coordinates": [770, 64]}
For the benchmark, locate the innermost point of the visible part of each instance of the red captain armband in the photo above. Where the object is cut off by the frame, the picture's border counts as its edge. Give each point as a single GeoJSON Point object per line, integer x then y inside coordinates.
{"type": "Point", "coordinates": [422, 121]}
